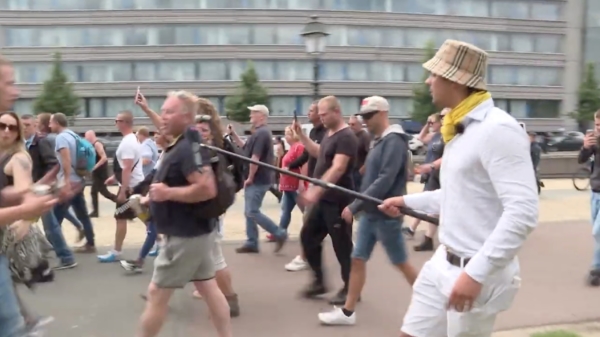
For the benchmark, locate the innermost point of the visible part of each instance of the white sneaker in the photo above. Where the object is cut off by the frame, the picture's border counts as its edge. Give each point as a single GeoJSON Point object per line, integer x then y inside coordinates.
{"type": "Point", "coordinates": [297, 264]}
{"type": "Point", "coordinates": [337, 317]}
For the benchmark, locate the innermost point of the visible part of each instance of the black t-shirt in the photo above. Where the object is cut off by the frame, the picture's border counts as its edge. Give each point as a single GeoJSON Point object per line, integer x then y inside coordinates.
{"type": "Point", "coordinates": [364, 143]}
{"type": "Point", "coordinates": [260, 144]}
{"type": "Point", "coordinates": [342, 142]}
{"type": "Point", "coordinates": [178, 218]}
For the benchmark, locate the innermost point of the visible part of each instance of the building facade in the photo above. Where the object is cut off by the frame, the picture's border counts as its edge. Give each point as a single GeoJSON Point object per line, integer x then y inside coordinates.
{"type": "Point", "coordinates": [375, 47]}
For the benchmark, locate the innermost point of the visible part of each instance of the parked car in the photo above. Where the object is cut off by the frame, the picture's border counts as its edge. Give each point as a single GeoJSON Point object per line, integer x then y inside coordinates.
{"type": "Point", "coordinates": [416, 146]}
{"type": "Point", "coordinates": [570, 141]}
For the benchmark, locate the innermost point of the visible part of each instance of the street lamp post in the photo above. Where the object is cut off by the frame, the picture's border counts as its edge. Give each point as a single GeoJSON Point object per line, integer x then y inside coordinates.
{"type": "Point", "coordinates": [315, 39]}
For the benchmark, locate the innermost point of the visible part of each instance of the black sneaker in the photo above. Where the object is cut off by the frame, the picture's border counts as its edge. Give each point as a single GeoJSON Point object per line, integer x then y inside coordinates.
{"type": "Point", "coordinates": [63, 265]}
{"type": "Point", "coordinates": [594, 278]}
{"type": "Point", "coordinates": [313, 290]}
{"type": "Point", "coordinates": [93, 215]}
{"type": "Point", "coordinates": [131, 266]}
{"type": "Point", "coordinates": [246, 250]}
{"type": "Point", "coordinates": [425, 246]}
{"type": "Point", "coordinates": [339, 298]}
{"type": "Point", "coordinates": [279, 243]}
{"type": "Point", "coordinates": [409, 233]}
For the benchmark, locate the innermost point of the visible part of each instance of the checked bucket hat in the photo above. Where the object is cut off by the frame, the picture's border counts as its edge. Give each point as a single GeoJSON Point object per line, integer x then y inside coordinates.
{"type": "Point", "coordinates": [461, 63]}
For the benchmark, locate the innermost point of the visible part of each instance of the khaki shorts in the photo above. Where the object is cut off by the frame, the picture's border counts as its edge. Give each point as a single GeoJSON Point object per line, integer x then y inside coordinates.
{"type": "Point", "coordinates": [184, 260]}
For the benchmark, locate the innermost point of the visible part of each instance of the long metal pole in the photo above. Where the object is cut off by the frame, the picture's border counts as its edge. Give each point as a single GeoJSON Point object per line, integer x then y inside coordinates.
{"type": "Point", "coordinates": [324, 184]}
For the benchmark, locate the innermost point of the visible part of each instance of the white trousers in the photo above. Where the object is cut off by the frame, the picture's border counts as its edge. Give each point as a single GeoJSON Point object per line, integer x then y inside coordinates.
{"type": "Point", "coordinates": [428, 316]}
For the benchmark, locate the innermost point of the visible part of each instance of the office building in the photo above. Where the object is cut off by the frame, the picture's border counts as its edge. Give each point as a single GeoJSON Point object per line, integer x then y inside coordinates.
{"type": "Point", "coordinates": [110, 47]}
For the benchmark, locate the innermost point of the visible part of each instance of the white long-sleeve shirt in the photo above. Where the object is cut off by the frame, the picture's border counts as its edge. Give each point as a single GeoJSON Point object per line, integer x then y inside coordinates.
{"type": "Point", "coordinates": [488, 202]}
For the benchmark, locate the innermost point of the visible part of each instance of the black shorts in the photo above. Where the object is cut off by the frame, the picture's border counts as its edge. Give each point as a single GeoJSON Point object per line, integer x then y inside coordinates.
{"type": "Point", "coordinates": [128, 214]}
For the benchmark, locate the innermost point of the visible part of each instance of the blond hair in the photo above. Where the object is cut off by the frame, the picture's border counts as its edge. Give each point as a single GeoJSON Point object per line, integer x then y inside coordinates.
{"type": "Point", "coordinates": [190, 101]}
{"type": "Point", "coordinates": [332, 103]}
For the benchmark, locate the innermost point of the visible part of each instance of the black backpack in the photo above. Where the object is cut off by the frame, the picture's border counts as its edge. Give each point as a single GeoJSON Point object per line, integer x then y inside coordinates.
{"type": "Point", "coordinates": [236, 166]}
{"type": "Point", "coordinates": [226, 185]}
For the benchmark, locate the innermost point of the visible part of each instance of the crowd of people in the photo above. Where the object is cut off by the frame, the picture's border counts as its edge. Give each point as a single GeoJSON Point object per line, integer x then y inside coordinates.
{"type": "Point", "coordinates": [485, 198]}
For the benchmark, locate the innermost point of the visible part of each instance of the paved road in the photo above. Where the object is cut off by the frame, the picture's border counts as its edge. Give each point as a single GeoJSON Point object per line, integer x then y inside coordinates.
{"type": "Point", "coordinates": [99, 300]}
{"type": "Point", "coordinates": [559, 202]}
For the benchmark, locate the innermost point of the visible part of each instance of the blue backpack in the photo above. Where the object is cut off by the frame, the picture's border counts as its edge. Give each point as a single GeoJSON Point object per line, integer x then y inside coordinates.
{"type": "Point", "coordinates": [85, 156]}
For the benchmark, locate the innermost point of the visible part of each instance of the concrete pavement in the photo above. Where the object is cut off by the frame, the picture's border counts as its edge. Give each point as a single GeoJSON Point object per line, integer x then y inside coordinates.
{"type": "Point", "coordinates": [559, 202]}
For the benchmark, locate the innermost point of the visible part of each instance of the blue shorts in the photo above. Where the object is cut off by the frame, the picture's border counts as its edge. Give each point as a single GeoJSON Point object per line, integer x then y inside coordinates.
{"type": "Point", "coordinates": [388, 232]}
{"type": "Point", "coordinates": [11, 320]}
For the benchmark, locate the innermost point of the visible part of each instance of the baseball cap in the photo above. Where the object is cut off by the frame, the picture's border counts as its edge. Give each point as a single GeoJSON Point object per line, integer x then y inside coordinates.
{"type": "Point", "coordinates": [373, 104]}
{"type": "Point", "coordinates": [259, 108]}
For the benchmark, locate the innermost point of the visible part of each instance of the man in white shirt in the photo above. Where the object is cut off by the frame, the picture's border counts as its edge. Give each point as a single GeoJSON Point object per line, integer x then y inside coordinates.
{"type": "Point", "coordinates": [487, 203]}
{"type": "Point", "coordinates": [127, 169]}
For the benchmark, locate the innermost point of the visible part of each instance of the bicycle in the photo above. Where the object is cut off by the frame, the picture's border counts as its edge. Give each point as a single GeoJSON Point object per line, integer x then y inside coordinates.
{"type": "Point", "coordinates": [581, 178]}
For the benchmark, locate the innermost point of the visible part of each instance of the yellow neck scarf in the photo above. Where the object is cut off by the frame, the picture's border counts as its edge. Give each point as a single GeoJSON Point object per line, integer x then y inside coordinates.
{"type": "Point", "coordinates": [456, 115]}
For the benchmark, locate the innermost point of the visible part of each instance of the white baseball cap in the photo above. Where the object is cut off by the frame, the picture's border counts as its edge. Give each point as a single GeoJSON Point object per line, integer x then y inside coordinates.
{"type": "Point", "coordinates": [373, 104]}
{"type": "Point", "coordinates": [259, 108]}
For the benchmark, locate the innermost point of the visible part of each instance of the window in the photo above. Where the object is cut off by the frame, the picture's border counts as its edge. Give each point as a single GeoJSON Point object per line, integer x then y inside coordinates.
{"type": "Point", "coordinates": [294, 71]}
{"type": "Point", "coordinates": [349, 105]}
{"type": "Point", "coordinates": [387, 72]}
{"type": "Point", "coordinates": [510, 9]}
{"type": "Point", "coordinates": [23, 106]}
{"type": "Point", "coordinates": [467, 8]}
{"type": "Point", "coordinates": [265, 34]}
{"type": "Point", "coordinates": [363, 36]}
{"type": "Point", "coordinates": [265, 70]}
{"type": "Point", "coordinates": [420, 7]}
{"type": "Point", "coordinates": [176, 71]}
{"type": "Point", "coordinates": [546, 11]}
{"type": "Point", "coordinates": [115, 105]}
{"type": "Point", "coordinates": [282, 105]}
{"type": "Point", "coordinates": [31, 72]}
{"type": "Point", "coordinates": [289, 34]}
{"type": "Point", "coordinates": [237, 34]}
{"type": "Point", "coordinates": [213, 71]}
{"type": "Point", "coordinates": [332, 71]}
{"type": "Point", "coordinates": [593, 13]}
{"type": "Point", "coordinates": [400, 107]}
{"type": "Point", "coordinates": [358, 71]}
{"type": "Point", "coordinates": [522, 43]}
{"type": "Point", "coordinates": [548, 43]}
{"type": "Point", "coordinates": [518, 108]}
{"type": "Point", "coordinates": [145, 71]}
{"type": "Point", "coordinates": [414, 73]}
{"type": "Point", "coordinates": [543, 109]}
{"type": "Point", "coordinates": [304, 105]}
{"type": "Point", "coordinates": [418, 38]}
{"type": "Point", "coordinates": [592, 44]}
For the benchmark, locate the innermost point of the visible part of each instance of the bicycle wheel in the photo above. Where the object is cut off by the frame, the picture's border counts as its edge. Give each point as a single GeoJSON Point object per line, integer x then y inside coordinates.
{"type": "Point", "coordinates": [581, 179]}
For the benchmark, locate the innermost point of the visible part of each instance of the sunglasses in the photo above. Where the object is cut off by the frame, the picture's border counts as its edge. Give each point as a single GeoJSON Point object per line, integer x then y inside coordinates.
{"type": "Point", "coordinates": [9, 127]}
{"type": "Point", "coordinates": [369, 115]}
{"type": "Point", "coordinates": [117, 121]}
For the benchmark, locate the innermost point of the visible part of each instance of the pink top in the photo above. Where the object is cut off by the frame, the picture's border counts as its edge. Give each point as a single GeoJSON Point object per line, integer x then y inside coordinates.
{"type": "Point", "coordinates": [286, 182]}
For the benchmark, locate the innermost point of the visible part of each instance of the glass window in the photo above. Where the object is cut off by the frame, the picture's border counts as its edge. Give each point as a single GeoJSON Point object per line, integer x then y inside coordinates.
{"type": "Point", "coordinates": [518, 108]}
{"type": "Point", "coordinates": [214, 71]}
{"type": "Point", "coordinates": [264, 34]}
{"type": "Point", "coordinates": [522, 43]}
{"type": "Point", "coordinates": [415, 73]}
{"type": "Point", "coordinates": [593, 13]}
{"type": "Point", "coordinates": [545, 76]}
{"type": "Point", "coordinates": [289, 34]}
{"type": "Point", "coordinates": [155, 103]}
{"type": "Point", "coordinates": [176, 71]}
{"type": "Point", "coordinates": [501, 75]}
{"type": "Point", "coordinates": [392, 37]}
{"type": "Point", "coordinates": [106, 72]}
{"type": "Point", "coordinates": [510, 9]}
{"type": "Point", "coordinates": [387, 72]}
{"type": "Point", "coordinates": [282, 105]}
{"type": "Point", "coordinates": [363, 36]}
{"type": "Point", "coordinates": [420, 7]}
{"type": "Point", "coordinates": [418, 38]}
{"type": "Point", "coordinates": [265, 70]}
{"type": "Point", "coordinates": [134, 36]}
{"type": "Point", "coordinates": [499, 42]}
{"type": "Point", "coordinates": [467, 8]}
{"type": "Point", "coordinates": [237, 34]}
{"type": "Point", "coordinates": [305, 102]}
{"type": "Point", "coordinates": [332, 71]}
{"type": "Point", "coordinates": [543, 109]}
{"type": "Point", "coordinates": [31, 72]}
{"type": "Point", "coordinates": [115, 105]}
{"type": "Point", "coordinates": [349, 105]}
{"type": "Point", "coordinates": [102, 36]}
{"type": "Point", "coordinates": [501, 104]}
{"type": "Point", "coordinates": [184, 35]}
{"type": "Point", "coordinates": [294, 71]}
{"type": "Point", "coordinates": [551, 11]}
{"type": "Point", "coordinates": [400, 107]}
{"type": "Point", "coordinates": [358, 71]}
{"type": "Point", "coordinates": [592, 44]}
{"type": "Point", "coordinates": [22, 37]}
{"type": "Point", "coordinates": [23, 106]}
{"type": "Point", "coordinates": [145, 71]}
{"type": "Point", "coordinates": [236, 69]}
{"type": "Point", "coordinates": [96, 107]}
{"type": "Point", "coordinates": [548, 43]}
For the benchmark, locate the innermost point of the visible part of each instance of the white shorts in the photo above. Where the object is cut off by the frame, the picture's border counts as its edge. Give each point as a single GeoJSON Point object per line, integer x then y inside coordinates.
{"type": "Point", "coordinates": [427, 315]}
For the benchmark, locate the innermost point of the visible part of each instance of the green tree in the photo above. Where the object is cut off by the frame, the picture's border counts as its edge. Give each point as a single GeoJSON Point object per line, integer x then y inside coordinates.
{"type": "Point", "coordinates": [588, 97]}
{"type": "Point", "coordinates": [422, 101]}
{"type": "Point", "coordinates": [57, 93]}
{"type": "Point", "coordinates": [248, 93]}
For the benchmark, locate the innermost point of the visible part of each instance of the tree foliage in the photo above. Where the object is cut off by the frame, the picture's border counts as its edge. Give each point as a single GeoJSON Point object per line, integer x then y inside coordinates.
{"type": "Point", "coordinates": [423, 105]}
{"type": "Point", "coordinates": [588, 96]}
{"type": "Point", "coordinates": [57, 93]}
{"type": "Point", "coordinates": [249, 92]}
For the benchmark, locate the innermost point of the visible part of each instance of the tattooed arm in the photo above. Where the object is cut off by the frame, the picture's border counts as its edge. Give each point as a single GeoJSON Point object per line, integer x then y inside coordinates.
{"type": "Point", "coordinates": [19, 167]}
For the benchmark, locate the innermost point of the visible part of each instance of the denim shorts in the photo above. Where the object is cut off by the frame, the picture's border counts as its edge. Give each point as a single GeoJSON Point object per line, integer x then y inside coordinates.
{"type": "Point", "coordinates": [386, 231]}
{"type": "Point", "coordinates": [11, 321]}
